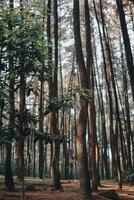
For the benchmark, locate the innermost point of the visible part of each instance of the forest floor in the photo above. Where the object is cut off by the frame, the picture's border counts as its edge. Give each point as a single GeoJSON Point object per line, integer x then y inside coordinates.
{"type": "Point", "coordinates": [36, 189]}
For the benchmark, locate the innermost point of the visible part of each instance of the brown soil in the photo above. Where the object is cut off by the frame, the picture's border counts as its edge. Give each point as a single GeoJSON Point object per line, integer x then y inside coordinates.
{"type": "Point", "coordinates": [71, 191]}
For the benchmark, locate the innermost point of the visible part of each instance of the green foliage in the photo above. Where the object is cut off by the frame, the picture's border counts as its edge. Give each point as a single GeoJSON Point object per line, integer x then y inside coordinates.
{"type": "Point", "coordinates": [4, 136]}
{"type": "Point", "coordinates": [3, 94]}
{"type": "Point", "coordinates": [82, 92]}
{"type": "Point", "coordinates": [128, 176]}
{"type": "Point", "coordinates": [31, 88]}
{"type": "Point", "coordinates": [49, 138]}
{"type": "Point", "coordinates": [54, 104]}
{"type": "Point", "coordinates": [68, 101]}
{"type": "Point", "coordinates": [22, 38]}
{"type": "Point", "coordinates": [23, 49]}
{"type": "Point", "coordinates": [42, 136]}
{"type": "Point", "coordinates": [2, 168]}
{"type": "Point", "coordinates": [28, 119]}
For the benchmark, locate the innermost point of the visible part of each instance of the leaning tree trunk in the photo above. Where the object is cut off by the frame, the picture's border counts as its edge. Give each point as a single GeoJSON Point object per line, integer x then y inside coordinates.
{"type": "Point", "coordinates": [119, 130]}
{"type": "Point", "coordinates": [110, 101]}
{"type": "Point", "coordinates": [85, 188]}
{"type": "Point", "coordinates": [128, 51]}
{"type": "Point", "coordinates": [91, 106]}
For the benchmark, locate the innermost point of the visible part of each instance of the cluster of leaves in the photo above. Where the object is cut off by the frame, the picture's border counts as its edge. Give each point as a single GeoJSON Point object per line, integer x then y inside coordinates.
{"type": "Point", "coordinates": [128, 176]}
{"type": "Point", "coordinates": [2, 102]}
{"type": "Point", "coordinates": [82, 92]}
{"type": "Point", "coordinates": [22, 38]}
{"type": "Point", "coordinates": [2, 168]}
{"type": "Point", "coordinates": [56, 103]}
{"type": "Point", "coordinates": [67, 101]}
{"type": "Point", "coordinates": [28, 118]}
{"type": "Point", "coordinates": [22, 41]}
{"type": "Point", "coordinates": [4, 136]}
{"type": "Point", "coordinates": [49, 138]}
{"type": "Point", "coordinates": [3, 93]}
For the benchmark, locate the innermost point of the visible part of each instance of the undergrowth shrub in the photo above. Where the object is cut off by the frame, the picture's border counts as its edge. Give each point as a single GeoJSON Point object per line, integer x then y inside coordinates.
{"type": "Point", "coordinates": [128, 176]}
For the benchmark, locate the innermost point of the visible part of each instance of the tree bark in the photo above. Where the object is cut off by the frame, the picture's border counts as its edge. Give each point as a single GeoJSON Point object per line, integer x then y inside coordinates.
{"type": "Point", "coordinates": [91, 106]}
{"type": "Point", "coordinates": [128, 51]}
{"type": "Point", "coordinates": [53, 93]}
{"type": "Point", "coordinates": [110, 103]}
{"type": "Point", "coordinates": [85, 188]}
{"type": "Point", "coordinates": [9, 181]}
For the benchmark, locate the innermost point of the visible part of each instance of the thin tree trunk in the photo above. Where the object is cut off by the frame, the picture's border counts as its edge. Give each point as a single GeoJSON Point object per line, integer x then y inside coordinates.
{"type": "Point", "coordinates": [110, 100]}
{"type": "Point", "coordinates": [9, 181]}
{"type": "Point", "coordinates": [22, 121]}
{"type": "Point", "coordinates": [41, 107]}
{"type": "Point", "coordinates": [41, 128]}
{"type": "Point", "coordinates": [127, 108]}
{"type": "Point", "coordinates": [91, 107]}
{"type": "Point", "coordinates": [128, 51]}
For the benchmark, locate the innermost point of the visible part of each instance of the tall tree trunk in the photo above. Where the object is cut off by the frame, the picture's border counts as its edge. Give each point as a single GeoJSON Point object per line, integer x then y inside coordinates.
{"type": "Point", "coordinates": [110, 100]}
{"type": "Point", "coordinates": [41, 128]}
{"type": "Point", "coordinates": [66, 149]}
{"type": "Point", "coordinates": [128, 51]}
{"type": "Point", "coordinates": [118, 126]}
{"type": "Point", "coordinates": [127, 108]}
{"type": "Point", "coordinates": [85, 188]}
{"type": "Point", "coordinates": [22, 123]}
{"type": "Point", "coordinates": [9, 181]}
{"type": "Point", "coordinates": [91, 107]}
{"type": "Point", "coordinates": [28, 160]}
{"type": "Point", "coordinates": [41, 107]}
{"type": "Point", "coordinates": [101, 114]}
{"type": "Point", "coordinates": [53, 88]}
{"type": "Point", "coordinates": [118, 118]}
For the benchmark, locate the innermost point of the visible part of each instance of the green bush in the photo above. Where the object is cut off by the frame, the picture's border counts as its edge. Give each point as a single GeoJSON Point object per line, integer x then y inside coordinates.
{"type": "Point", "coordinates": [128, 176]}
{"type": "Point", "coordinates": [2, 168]}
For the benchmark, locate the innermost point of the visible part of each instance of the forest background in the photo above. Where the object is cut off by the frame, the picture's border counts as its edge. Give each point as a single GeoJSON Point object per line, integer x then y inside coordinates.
{"type": "Point", "coordinates": [67, 91]}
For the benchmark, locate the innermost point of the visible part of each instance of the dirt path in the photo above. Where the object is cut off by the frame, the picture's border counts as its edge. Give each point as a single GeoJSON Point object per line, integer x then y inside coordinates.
{"type": "Point", "coordinates": [71, 191]}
